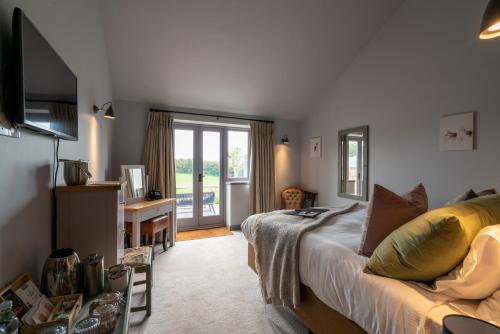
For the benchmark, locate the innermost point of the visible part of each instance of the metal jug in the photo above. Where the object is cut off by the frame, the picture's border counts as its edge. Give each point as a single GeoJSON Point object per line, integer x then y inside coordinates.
{"type": "Point", "coordinates": [93, 275]}
{"type": "Point", "coordinates": [61, 273]}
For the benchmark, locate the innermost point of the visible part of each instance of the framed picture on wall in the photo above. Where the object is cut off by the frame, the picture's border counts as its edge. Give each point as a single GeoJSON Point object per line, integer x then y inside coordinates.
{"type": "Point", "coordinates": [456, 132]}
{"type": "Point", "coordinates": [315, 147]}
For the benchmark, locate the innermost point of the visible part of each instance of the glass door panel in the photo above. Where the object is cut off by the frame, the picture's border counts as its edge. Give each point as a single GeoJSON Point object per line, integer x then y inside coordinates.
{"type": "Point", "coordinates": [199, 171]}
{"type": "Point", "coordinates": [184, 175]}
{"type": "Point", "coordinates": [211, 170]}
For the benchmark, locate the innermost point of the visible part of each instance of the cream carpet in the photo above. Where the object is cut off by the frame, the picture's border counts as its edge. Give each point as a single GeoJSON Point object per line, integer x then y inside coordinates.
{"type": "Point", "coordinates": [205, 286]}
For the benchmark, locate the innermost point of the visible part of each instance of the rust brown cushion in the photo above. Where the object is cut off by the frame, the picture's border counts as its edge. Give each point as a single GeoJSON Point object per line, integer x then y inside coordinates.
{"type": "Point", "coordinates": [486, 192]}
{"type": "Point", "coordinates": [470, 194]}
{"type": "Point", "coordinates": [387, 211]}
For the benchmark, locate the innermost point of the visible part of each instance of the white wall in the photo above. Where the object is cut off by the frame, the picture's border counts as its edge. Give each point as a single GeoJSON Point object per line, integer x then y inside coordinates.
{"type": "Point", "coordinates": [286, 157]}
{"type": "Point", "coordinates": [237, 204]}
{"type": "Point", "coordinates": [130, 136]}
{"type": "Point", "coordinates": [425, 62]}
{"type": "Point", "coordinates": [74, 29]}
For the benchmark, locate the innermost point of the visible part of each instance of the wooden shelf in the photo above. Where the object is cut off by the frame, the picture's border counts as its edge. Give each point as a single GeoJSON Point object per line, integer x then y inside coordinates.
{"type": "Point", "coordinates": [97, 186]}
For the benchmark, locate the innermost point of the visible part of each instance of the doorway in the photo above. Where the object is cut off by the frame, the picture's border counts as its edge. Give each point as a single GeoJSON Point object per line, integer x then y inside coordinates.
{"type": "Point", "coordinates": [199, 171]}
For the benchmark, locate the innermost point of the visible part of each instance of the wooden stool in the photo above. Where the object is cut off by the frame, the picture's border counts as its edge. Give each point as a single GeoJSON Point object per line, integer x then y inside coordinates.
{"type": "Point", "coordinates": [149, 228]}
{"type": "Point", "coordinates": [141, 259]}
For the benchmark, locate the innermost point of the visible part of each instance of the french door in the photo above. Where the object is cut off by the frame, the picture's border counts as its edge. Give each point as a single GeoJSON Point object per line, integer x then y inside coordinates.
{"type": "Point", "coordinates": [199, 176]}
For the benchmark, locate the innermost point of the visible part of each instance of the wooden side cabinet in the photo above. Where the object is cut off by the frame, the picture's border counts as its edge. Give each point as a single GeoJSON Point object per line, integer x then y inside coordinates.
{"type": "Point", "coordinates": [90, 219]}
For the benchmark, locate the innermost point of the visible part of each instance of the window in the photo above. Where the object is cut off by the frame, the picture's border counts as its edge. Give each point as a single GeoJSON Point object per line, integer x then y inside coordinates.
{"type": "Point", "coordinates": [237, 154]}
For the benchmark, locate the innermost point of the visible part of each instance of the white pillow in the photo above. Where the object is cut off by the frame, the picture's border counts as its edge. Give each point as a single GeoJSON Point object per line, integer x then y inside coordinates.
{"type": "Point", "coordinates": [478, 276]}
{"type": "Point", "coordinates": [489, 309]}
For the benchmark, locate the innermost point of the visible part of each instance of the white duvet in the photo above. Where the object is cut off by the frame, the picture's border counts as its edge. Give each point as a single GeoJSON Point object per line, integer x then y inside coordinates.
{"type": "Point", "coordinates": [331, 267]}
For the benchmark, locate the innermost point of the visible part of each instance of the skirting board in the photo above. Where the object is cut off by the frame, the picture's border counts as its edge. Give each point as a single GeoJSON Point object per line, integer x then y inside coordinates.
{"type": "Point", "coordinates": [315, 314]}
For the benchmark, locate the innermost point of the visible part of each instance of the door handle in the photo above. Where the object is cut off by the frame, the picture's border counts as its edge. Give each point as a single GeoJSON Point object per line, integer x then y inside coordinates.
{"type": "Point", "coordinates": [200, 177]}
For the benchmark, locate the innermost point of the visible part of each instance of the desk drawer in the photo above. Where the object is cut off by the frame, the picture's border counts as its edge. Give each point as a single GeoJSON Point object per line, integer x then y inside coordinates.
{"type": "Point", "coordinates": [151, 213]}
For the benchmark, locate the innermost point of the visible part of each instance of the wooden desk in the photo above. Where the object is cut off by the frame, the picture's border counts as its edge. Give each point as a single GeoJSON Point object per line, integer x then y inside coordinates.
{"type": "Point", "coordinates": [144, 210]}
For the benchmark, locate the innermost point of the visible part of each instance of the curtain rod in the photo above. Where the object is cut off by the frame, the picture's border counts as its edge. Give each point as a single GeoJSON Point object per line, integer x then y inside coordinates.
{"type": "Point", "coordinates": [216, 116]}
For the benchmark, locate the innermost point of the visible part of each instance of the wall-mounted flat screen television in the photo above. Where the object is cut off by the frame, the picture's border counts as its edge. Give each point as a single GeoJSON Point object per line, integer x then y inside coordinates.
{"type": "Point", "coordinates": [45, 92]}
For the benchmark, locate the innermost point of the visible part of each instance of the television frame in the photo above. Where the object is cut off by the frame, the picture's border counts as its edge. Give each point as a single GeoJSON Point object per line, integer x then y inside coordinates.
{"type": "Point", "coordinates": [19, 107]}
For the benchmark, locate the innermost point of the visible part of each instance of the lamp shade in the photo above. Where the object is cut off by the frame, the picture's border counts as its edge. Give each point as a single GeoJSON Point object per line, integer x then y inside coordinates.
{"type": "Point", "coordinates": [110, 113]}
{"type": "Point", "coordinates": [490, 25]}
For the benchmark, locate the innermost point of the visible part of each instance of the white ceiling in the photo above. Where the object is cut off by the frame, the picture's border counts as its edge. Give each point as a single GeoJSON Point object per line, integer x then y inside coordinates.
{"type": "Point", "coordinates": [262, 57]}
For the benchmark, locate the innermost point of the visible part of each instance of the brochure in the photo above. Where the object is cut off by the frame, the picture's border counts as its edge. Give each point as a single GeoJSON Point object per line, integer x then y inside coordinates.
{"type": "Point", "coordinates": [307, 213]}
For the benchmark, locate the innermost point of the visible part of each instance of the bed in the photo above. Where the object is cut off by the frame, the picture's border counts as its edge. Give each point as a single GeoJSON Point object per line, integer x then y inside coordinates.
{"type": "Point", "coordinates": [337, 294]}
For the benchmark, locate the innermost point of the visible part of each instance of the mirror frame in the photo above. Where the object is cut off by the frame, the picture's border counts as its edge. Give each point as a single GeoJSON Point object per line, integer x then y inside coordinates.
{"type": "Point", "coordinates": [341, 161]}
{"type": "Point", "coordinates": [129, 200]}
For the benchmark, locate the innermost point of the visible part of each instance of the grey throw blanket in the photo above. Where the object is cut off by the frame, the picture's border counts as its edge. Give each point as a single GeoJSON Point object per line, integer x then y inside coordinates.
{"type": "Point", "coordinates": [276, 240]}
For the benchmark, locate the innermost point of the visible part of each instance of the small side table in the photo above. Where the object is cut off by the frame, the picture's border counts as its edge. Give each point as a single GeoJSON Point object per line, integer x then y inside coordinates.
{"type": "Point", "coordinates": [461, 324]}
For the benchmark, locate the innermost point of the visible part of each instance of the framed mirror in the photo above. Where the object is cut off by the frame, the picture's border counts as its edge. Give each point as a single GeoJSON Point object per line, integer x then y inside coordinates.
{"type": "Point", "coordinates": [135, 189]}
{"type": "Point", "coordinates": [353, 163]}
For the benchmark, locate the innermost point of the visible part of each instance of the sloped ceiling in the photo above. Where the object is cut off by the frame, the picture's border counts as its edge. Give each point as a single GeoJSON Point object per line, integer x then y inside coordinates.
{"type": "Point", "coordinates": [258, 57]}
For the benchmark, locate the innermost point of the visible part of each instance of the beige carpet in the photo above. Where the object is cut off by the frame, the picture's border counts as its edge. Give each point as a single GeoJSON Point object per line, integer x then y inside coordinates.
{"type": "Point", "coordinates": [203, 234]}
{"type": "Point", "coordinates": [205, 286]}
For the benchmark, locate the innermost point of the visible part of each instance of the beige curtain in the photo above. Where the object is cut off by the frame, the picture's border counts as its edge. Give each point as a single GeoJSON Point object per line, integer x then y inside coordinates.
{"type": "Point", "coordinates": [262, 167]}
{"type": "Point", "coordinates": [159, 153]}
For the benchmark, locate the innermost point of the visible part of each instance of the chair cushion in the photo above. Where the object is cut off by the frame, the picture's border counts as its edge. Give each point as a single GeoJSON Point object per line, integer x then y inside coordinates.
{"type": "Point", "coordinates": [150, 226]}
{"type": "Point", "coordinates": [154, 225]}
{"type": "Point", "coordinates": [139, 256]}
{"type": "Point", "coordinates": [434, 243]}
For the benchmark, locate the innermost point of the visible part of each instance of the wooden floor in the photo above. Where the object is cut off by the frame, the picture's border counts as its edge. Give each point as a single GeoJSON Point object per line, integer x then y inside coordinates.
{"type": "Point", "coordinates": [202, 234]}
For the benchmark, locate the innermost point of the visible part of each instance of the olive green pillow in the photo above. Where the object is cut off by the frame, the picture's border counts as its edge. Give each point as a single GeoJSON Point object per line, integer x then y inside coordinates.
{"type": "Point", "coordinates": [435, 242]}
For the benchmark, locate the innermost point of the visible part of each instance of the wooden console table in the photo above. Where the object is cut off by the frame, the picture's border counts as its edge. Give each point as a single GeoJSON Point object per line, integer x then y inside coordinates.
{"type": "Point", "coordinates": [141, 211]}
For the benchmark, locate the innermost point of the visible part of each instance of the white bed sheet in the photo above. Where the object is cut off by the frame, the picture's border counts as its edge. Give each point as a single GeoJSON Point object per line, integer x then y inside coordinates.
{"type": "Point", "coordinates": [331, 267]}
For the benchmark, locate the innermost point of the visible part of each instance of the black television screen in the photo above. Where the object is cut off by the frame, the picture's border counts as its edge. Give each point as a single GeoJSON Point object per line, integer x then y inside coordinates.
{"type": "Point", "coordinates": [46, 89]}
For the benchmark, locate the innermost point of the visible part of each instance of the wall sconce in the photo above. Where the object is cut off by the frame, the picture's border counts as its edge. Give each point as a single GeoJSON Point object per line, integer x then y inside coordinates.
{"type": "Point", "coordinates": [490, 24]}
{"type": "Point", "coordinates": [110, 114]}
{"type": "Point", "coordinates": [284, 140]}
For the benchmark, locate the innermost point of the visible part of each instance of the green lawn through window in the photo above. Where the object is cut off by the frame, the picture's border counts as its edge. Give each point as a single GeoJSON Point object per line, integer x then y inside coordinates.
{"type": "Point", "coordinates": [184, 184]}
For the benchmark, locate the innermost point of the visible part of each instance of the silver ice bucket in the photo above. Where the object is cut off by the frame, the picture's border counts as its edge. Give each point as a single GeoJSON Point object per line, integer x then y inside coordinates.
{"type": "Point", "coordinates": [76, 172]}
